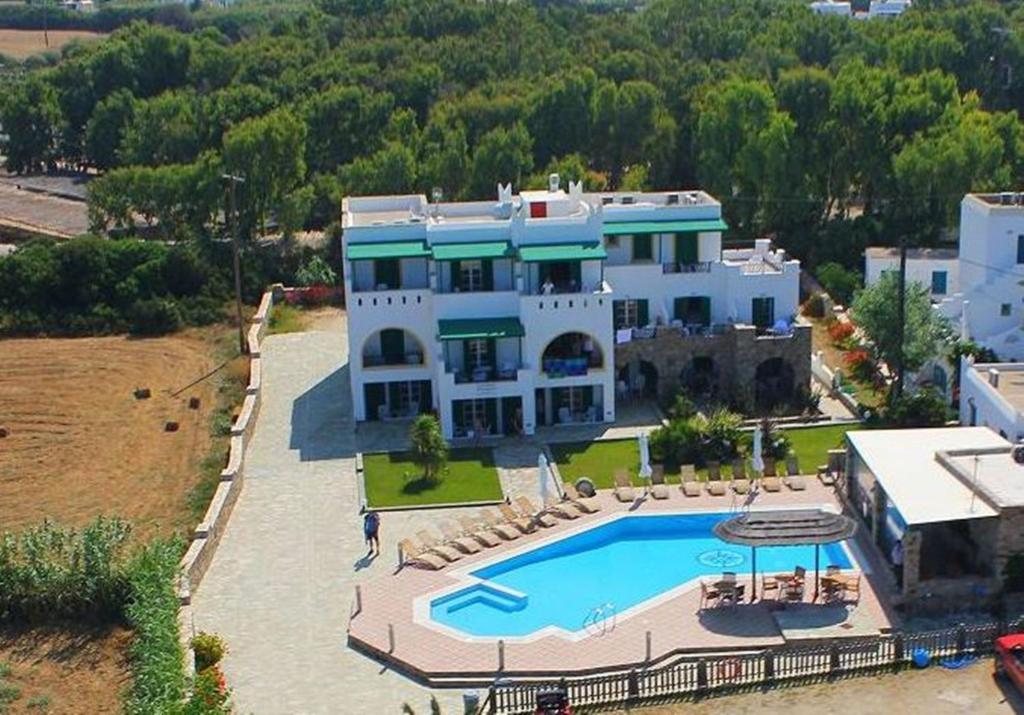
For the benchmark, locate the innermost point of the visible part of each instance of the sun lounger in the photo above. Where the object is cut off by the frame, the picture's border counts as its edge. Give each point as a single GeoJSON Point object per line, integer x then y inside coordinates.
{"type": "Point", "coordinates": [433, 545]}
{"type": "Point", "coordinates": [623, 489]}
{"type": "Point", "coordinates": [565, 509]}
{"type": "Point", "coordinates": [688, 481]}
{"type": "Point", "coordinates": [741, 486]}
{"type": "Point", "coordinates": [588, 505]}
{"type": "Point", "coordinates": [796, 483]}
{"type": "Point", "coordinates": [771, 484]}
{"type": "Point", "coordinates": [497, 524]}
{"type": "Point", "coordinates": [716, 488]}
{"type": "Point", "coordinates": [659, 489]}
{"type": "Point", "coordinates": [465, 544]}
{"type": "Point", "coordinates": [523, 523]}
{"type": "Point", "coordinates": [527, 509]}
{"type": "Point", "coordinates": [484, 534]}
{"type": "Point", "coordinates": [413, 555]}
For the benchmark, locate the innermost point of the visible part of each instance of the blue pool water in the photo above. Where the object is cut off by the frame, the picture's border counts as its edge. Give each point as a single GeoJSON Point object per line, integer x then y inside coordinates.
{"type": "Point", "coordinates": [624, 562]}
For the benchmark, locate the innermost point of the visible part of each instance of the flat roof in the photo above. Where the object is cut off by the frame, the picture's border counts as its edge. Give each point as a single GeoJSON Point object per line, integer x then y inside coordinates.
{"type": "Point", "coordinates": [934, 254]}
{"type": "Point", "coordinates": [617, 228]}
{"type": "Point", "coordinates": [922, 489]}
{"type": "Point", "coordinates": [1011, 381]}
{"type": "Point", "coordinates": [995, 473]}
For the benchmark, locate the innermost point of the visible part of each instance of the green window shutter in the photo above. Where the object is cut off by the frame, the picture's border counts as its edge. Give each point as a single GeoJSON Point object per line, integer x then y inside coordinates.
{"type": "Point", "coordinates": [763, 310]}
{"type": "Point", "coordinates": [426, 396]}
{"type": "Point", "coordinates": [394, 396]}
{"type": "Point", "coordinates": [487, 271]}
{"type": "Point", "coordinates": [374, 396]}
{"type": "Point", "coordinates": [392, 345]}
{"type": "Point", "coordinates": [491, 410]}
{"type": "Point", "coordinates": [587, 397]}
{"type": "Point", "coordinates": [456, 268]}
{"type": "Point", "coordinates": [641, 311]}
{"type": "Point", "coordinates": [642, 248]}
{"type": "Point", "coordinates": [492, 352]}
{"type": "Point", "coordinates": [705, 311]}
{"type": "Point", "coordinates": [686, 248]}
{"type": "Point", "coordinates": [467, 357]}
{"type": "Point", "coordinates": [679, 309]}
{"type": "Point", "coordinates": [576, 271]}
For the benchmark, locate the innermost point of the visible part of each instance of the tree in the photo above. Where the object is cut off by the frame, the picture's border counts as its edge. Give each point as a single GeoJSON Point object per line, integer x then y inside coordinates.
{"type": "Point", "coordinates": [925, 330]}
{"type": "Point", "coordinates": [429, 448]}
{"type": "Point", "coordinates": [502, 156]}
{"type": "Point", "coordinates": [163, 130]}
{"type": "Point", "coordinates": [392, 170]}
{"type": "Point", "coordinates": [106, 128]}
{"type": "Point", "coordinates": [840, 282]}
{"type": "Point", "coordinates": [32, 119]}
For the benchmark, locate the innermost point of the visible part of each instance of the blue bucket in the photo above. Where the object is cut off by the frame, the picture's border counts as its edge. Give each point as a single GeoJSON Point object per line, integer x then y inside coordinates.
{"type": "Point", "coordinates": [920, 658]}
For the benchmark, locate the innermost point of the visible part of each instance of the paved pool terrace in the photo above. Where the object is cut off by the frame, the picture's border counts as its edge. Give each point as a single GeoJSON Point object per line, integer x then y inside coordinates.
{"type": "Point", "coordinates": [398, 605]}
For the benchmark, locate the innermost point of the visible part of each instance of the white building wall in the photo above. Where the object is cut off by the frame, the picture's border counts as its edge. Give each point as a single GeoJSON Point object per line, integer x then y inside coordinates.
{"type": "Point", "coordinates": [918, 270]}
{"type": "Point", "coordinates": [990, 409]}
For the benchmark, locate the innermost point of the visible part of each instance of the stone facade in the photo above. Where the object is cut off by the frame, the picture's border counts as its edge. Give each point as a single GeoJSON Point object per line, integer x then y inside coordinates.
{"type": "Point", "coordinates": [735, 356]}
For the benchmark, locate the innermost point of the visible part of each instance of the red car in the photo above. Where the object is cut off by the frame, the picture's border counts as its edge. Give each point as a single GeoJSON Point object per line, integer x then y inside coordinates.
{"type": "Point", "coordinates": [1010, 659]}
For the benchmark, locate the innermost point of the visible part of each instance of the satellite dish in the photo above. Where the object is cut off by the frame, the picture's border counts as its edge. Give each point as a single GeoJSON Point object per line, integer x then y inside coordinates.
{"type": "Point", "coordinates": [1018, 453]}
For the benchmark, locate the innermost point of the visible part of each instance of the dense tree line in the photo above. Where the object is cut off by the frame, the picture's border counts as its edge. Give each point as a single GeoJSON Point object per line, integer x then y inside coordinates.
{"type": "Point", "coordinates": [826, 132]}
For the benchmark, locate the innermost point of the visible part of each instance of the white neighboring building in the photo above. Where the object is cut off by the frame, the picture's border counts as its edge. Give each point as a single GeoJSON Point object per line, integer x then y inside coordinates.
{"type": "Point", "coordinates": [826, 7]}
{"type": "Point", "coordinates": [505, 315]}
{"type": "Point", "coordinates": [889, 8]}
{"type": "Point", "coordinates": [992, 395]}
{"type": "Point", "coordinates": [936, 268]}
{"type": "Point", "coordinates": [839, 8]}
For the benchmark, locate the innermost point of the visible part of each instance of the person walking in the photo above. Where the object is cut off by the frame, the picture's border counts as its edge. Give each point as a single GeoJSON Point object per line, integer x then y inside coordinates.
{"type": "Point", "coordinates": [371, 531]}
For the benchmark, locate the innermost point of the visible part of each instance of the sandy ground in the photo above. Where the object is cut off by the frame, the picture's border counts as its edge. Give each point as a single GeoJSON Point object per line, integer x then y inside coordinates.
{"type": "Point", "coordinates": [935, 691]}
{"type": "Point", "coordinates": [80, 444]}
{"type": "Point", "coordinates": [73, 670]}
{"type": "Point", "coordinates": [24, 43]}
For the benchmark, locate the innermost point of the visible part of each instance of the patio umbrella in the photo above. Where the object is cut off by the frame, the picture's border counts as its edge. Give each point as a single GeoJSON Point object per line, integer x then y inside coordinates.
{"type": "Point", "coordinates": [544, 473]}
{"type": "Point", "coordinates": [645, 456]}
{"type": "Point", "coordinates": [756, 460]}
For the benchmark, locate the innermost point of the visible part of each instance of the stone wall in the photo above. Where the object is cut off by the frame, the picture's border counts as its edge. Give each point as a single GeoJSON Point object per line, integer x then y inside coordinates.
{"type": "Point", "coordinates": [736, 352]}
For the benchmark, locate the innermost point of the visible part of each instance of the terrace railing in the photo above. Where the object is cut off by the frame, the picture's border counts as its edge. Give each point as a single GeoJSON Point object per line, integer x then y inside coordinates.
{"type": "Point", "coordinates": [684, 676]}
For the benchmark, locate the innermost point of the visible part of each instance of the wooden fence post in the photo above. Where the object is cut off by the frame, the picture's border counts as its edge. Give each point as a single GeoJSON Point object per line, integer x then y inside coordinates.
{"type": "Point", "coordinates": [702, 676]}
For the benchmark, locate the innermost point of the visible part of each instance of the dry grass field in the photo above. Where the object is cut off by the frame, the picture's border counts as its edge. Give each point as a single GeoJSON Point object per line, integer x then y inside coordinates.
{"type": "Point", "coordinates": [79, 443]}
{"type": "Point", "coordinates": [20, 44]}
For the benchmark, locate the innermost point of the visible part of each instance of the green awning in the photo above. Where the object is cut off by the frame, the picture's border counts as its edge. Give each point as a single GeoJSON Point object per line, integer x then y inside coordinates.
{"type": "Point", "coordinates": [562, 252]}
{"type": "Point", "coordinates": [470, 251]}
{"type": "Point", "coordinates": [618, 228]}
{"type": "Point", "coordinates": [397, 249]}
{"type": "Point", "coordinates": [476, 328]}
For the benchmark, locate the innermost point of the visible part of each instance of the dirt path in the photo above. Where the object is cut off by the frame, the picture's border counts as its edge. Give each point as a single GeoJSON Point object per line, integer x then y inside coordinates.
{"type": "Point", "coordinates": [935, 691]}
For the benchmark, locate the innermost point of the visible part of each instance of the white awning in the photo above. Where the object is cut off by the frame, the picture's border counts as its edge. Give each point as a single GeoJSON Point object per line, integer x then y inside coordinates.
{"type": "Point", "coordinates": [904, 463]}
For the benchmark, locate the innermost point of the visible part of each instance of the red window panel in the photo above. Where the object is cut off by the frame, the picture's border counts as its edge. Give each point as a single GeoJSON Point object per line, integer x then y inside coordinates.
{"type": "Point", "coordinates": [538, 209]}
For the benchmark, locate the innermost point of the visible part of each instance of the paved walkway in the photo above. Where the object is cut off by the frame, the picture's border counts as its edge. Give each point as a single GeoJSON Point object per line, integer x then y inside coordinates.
{"type": "Point", "coordinates": [281, 585]}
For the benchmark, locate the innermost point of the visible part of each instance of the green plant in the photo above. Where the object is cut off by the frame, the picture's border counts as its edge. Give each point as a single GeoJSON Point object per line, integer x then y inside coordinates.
{"type": "Point", "coordinates": [841, 283]}
{"type": "Point", "coordinates": [429, 448]}
{"type": "Point", "coordinates": [8, 693]}
{"type": "Point", "coordinates": [774, 442]}
{"type": "Point", "coordinates": [925, 408]}
{"type": "Point", "coordinates": [209, 648]}
{"type": "Point", "coordinates": [39, 702]}
{"type": "Point", "coordinates": [314, 272]}
{"type": "Point", "coordinates": [721, 434]}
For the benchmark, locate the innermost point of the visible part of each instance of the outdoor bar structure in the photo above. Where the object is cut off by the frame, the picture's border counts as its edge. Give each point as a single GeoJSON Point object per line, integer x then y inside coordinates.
{"type": "Point", "coordinates": [786, 527]}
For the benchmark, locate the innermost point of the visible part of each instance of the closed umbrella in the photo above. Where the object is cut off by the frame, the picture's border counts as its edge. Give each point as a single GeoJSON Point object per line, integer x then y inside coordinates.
{"type": "Point", "coordinates": [757, 461]}
{"type": "Point", "coordinates": [544, 473]}
{"type": "Point", "coordinates": [645, 458]}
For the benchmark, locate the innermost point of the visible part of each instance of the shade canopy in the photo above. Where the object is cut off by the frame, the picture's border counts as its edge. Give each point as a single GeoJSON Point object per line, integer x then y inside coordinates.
{"type": "Point", "coordinates": [392, 249]}
{"type": "Point", "coordinates": [786, 528]}
{"type": "Point", "coordinates": [471, 251]}
{"type": "Point", "coordinates": [618, 228]}
{"type": "Point", "coordinates": [562, 252]}
{"type": "Point", "coordinates": [479, 328]}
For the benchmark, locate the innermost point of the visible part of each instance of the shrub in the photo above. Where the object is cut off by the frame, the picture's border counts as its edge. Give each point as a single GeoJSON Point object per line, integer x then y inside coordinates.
{"type": "Point", "coordinates": [860, 364]}
{"type": "Point", "coordinates": [682, 407]}
{"type": "Point", "coordinates": [429, 448]}
{"type": "Point", "coordinates": [721, 435]}
{"type": "Point", "coordinates": [814, 307]}
{"type": "Point", "coordinates": [156, 316]}
{"type": "Point", "coordinates": [840, 282]}
{"type": "Point", "coordinates": [926, 408]}
{"type": "Point", "coordinates": [676, 443]}
{"type": "Point", "coordinates": [841, 332]}
{"type": "Point", "coordinates": [209, 649]}
{"type": "Point", "coordinates": [315, 271]}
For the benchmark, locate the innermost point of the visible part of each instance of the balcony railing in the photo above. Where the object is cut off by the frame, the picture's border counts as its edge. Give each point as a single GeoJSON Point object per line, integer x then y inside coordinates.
{"type": "Point", "coordinates": [568, 367]}
{"type": "Point", "coordinates": [506, 372]}
{"type": "Point", "coordinates": [676, 267]}
{"type": "Point", "coordinates": [410, 359]}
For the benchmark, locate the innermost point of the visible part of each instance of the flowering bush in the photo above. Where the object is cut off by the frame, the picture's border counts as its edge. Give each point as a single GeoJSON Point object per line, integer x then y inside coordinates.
{"type": "Point", "coordinates": [860, 364]}
{"type": "Point", "coordinates": [209, 649]}
{"type": "Point", "coordinates": [840, 332]}
{"type": "Point", "coordinates": [312, 296]}
{"type": "Point", "coordinates": [210, 694]}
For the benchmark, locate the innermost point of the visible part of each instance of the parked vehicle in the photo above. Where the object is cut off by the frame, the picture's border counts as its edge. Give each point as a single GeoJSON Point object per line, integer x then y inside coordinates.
{"type": "Point", "coordinates": [1009, 659]}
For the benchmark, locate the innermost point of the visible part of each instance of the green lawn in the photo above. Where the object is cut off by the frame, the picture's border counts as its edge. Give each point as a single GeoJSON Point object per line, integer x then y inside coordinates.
{"type": "Point", "coordinates": [599, 460]}
{"type": "Point", "coordinates": [394, 480]}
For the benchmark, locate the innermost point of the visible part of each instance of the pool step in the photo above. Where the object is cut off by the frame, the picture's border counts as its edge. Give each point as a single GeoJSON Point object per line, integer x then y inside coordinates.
{"type": "Point", "coordinates": [484, 595]}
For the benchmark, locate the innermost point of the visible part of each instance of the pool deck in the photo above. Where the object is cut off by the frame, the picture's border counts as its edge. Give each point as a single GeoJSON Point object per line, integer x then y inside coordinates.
{"type": "Point", "coordinates": [676, 624]}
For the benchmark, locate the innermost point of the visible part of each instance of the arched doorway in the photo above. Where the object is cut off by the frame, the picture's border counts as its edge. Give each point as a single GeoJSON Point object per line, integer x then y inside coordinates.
{"type": "Point", "coordinates": [773, 383]}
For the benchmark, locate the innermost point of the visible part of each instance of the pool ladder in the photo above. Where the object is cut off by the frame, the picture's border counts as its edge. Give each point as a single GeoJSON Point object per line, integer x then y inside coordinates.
{"type": "Point", "coordinates": [601, 620]}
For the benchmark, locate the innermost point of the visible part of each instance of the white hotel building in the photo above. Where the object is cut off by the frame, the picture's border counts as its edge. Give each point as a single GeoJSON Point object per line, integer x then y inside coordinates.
{"type": "Point", "coordinates": [512, 314]}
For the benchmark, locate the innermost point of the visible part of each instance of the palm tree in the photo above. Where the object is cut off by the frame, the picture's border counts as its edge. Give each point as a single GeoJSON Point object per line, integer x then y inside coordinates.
{"type": "Point", "coordinates": [429, 449]}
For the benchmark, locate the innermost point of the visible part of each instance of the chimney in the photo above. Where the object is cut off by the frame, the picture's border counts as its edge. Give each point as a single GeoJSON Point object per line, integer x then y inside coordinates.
{"type": "Point", "coordinates": [993, 377]}
{"type": "Point", "coordinates": [553, 183]}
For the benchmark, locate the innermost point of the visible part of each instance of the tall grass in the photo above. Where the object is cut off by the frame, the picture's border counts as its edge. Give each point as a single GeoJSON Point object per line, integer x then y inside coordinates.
{"type": "Point", "coordinates": [49, 572]}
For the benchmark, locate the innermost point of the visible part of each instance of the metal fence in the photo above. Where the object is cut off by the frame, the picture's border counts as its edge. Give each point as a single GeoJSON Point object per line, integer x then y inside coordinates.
{"type": "Point", "coordinates": [698, 676]}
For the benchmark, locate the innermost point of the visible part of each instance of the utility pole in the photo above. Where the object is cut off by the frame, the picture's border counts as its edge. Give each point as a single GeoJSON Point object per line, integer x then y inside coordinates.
{"type": "Point", "coordinates": [901, 313]}
{"type": "Point", "coordinates": [233, 210]}
{"type": "Point", "coordinates": [46, 34]}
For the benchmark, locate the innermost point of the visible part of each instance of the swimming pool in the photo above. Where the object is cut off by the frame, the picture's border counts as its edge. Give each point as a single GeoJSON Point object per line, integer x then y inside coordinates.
{"type": "Point", "coordinates": [614, 566]}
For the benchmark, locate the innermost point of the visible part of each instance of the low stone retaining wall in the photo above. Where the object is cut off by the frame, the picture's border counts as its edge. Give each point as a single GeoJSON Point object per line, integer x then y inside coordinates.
{"type": "Point", "coordinates": [209, 531]}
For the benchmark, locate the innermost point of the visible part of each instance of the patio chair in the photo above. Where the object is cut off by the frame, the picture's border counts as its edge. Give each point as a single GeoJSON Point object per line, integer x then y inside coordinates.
{"type": "Point", "coordinates": [659, 489]}
{"type": "Point", "coordinates": [539, 516]}
{"type": "Point", "coordinates": [465, 544]}
{"type": "Point", "coordinates": [795, 483]}
{"type": "Point", "coordinates": [769, 583]}
{"type": "Point", "coordinates": [688, 481]}
{"type": "Point", "coordinates": [716, 487]}
{"type": "Point", "coordinates": [485, 535]}
{"type": "Point", "coordinates": [496, 524]}
{"type": "Point", "coordinates": [412, 555]}
{"type": "Point", "coordinates": [792, 465]}
{"type": "Point", "coordinates": [623, 488]}
{"type": "Point", "coordinates": [588, 505]}
{"type": "Point", "coordinates": [524, 523]}
{"type": "Point", "coordinates": [851, 586]}
{"type": "Point", "coordinates": [565, 509]}
{"type": "Point", "coordinates": [708, 595]}
{"type": "Point", "coordinates": [432, 544]}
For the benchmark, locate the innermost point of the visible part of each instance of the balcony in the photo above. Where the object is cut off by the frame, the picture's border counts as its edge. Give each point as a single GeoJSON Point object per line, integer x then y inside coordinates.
{"type": "Point", "coordinates": [409, 359]}
{"type": "Point", "coordinates": [506, 372]}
